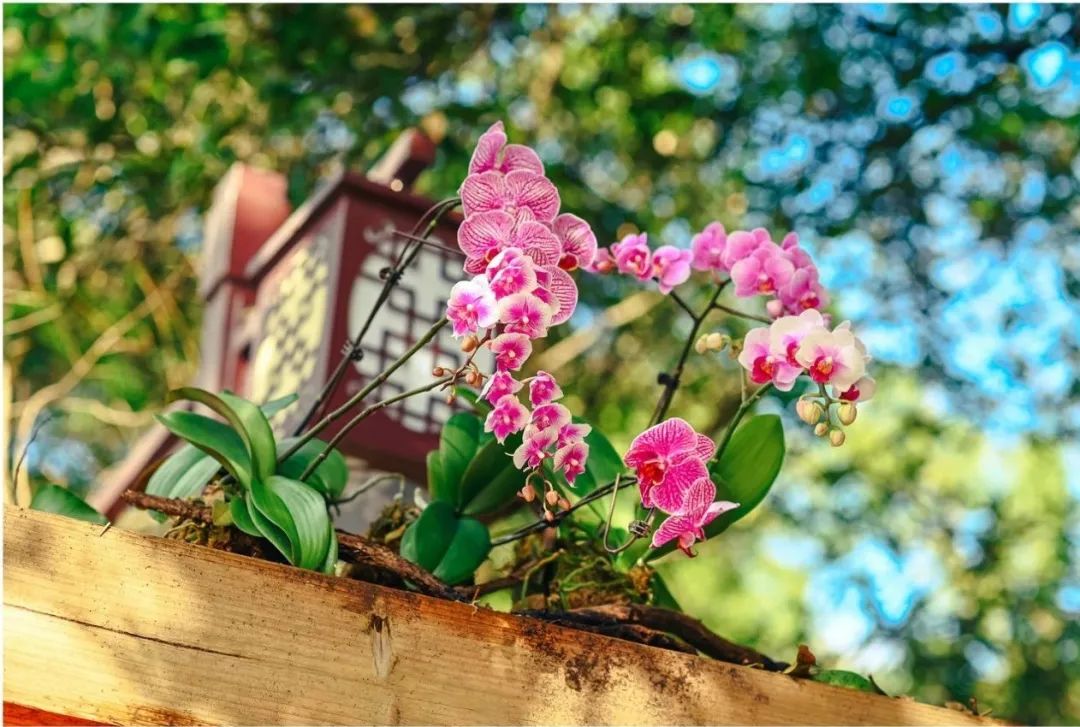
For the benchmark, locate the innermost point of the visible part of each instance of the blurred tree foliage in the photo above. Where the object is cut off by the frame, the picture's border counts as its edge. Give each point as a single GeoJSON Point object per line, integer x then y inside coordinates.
{"type": "Point", "coordinates": [927, 154]}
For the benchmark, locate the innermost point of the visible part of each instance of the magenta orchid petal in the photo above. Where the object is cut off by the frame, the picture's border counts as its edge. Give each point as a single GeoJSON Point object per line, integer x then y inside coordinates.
{"type": "Point", "coordinates": [511, 350]}
{"type": "Point", "coordinates": [577, 240]}
{"type": "Point", "coordinates": [671, 529]}
{"type": "Point", "coordinates": [486, 154]}
{"type": "Point", "coordinates": [669, 494]}
{"type": "Point", "coordinates": [697, 498]}
{"type": "Point", "coordinates": [508, 416]}
{"type": "Point", "coordinates": [705, 448]}
{"type": "Point", "coordinates": [603, 263]}
{"type": "Point", "coordinates": [531, 191]}
{"type": "Point", "coordinates": [534, 449]}
{"type": "Point", "coordinates": [565, 293]}
{"type": "Point", "coordinates": [573, 431]}
{"type": "Point", "coordinates": [740, 245]}
{"type": "Point", "coordinates": [483, 192]}
{"type": "Point", "coordinates": [717, 509]}
{"type": "Point", "coordinates": [570, 459]}
{"type": "Point", "coordinates": [669, 437]}
{"type": "Point", "coordinates": [707, 248]}
{"type": "Point", "coordinates": [500, 385]}
{"type": "Point", "coordinates": [550, 416]}
{"type": "Point", "coordinates": [633, 257]}
{"type": "Point", "coordinates": [511, 272]}
{"type": "Point", "coordinates": [519, 157]}
{"type": "Point", "coordinates": [471, 306]}
{"type": "Point", "coordinates": [671, 266]}
{"type": "Point", "coordinates": [483, 234]}
{"type": "Point", "coordinates": [537, 241]}
{"type": "Point", "coordinates": [526, 314]}
{"type": "Point", "coordinates": [543, 389]}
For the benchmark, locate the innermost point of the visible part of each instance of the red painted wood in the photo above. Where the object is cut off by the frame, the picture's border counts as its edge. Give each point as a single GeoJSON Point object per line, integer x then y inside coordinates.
{"type": "Point", "coordinates": [17, 714]}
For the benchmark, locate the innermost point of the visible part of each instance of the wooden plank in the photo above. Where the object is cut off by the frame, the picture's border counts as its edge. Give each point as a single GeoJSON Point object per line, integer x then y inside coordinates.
{"type": "Point", "coordinates": [17, 714]}
{"type": "Point", "coordinates": [118, 627]}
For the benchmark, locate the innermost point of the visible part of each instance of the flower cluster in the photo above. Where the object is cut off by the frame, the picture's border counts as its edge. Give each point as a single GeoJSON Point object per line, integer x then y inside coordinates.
{"type": "Point", "coordinates": [804, 344]}
{"type": "Point", "coordinates": [755, 264]}
{"type": "Point", "coordinates": [670, 462]}
{"type": "Point", "coordinates": [519, 250]}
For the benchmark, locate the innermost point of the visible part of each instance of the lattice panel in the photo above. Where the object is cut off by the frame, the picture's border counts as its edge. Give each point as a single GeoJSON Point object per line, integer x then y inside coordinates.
{"type": "Point", "coordinates": [293, 328]}
{"type": "Point", "coordinates": [415, 304]}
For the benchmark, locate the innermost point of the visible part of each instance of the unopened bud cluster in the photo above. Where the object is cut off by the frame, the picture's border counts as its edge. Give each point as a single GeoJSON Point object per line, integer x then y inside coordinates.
{"type": "Point", "coordinates": [818, 413]}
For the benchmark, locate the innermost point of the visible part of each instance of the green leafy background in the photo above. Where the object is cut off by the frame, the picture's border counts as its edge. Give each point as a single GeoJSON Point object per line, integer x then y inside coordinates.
{"type": "Point", "coordinates": [920, 151]}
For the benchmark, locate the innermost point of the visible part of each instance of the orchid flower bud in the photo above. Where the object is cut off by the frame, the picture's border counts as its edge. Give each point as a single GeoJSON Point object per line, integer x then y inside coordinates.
{"type": "Point", "coordinates": [527, 493]}
{"type": "Point", "coordinates": [438, 371]}
{"type": "Point", "coordinates": [716, 341]}
{"type": "Point", "coordinates": [847, 413]}
{"type": "Point", "coordinates": [552, 497]}
{"type": "Point", "coordinates": [836, 437]}
{"type": "Point", "coordinates": [821, 429]}
{"type": "Point", "coordinates": [469, 343]}
{"type": "Point", "coordinates": [702, 344]}
{"type": "Point", "coordinates": [809, 411]}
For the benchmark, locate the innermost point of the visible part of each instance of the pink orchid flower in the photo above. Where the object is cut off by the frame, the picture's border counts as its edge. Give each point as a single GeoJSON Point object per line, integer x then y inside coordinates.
{"type": "Point", "coordinates": [511, 272]}
{"type": "Point", "coordinates": [543, 389]}
{"type": "Point", "coordinates": [766, 362]}
{"type": "Point", "coordinates": [492, 153]}
{"type": "Point", "coordinates": [739, 246]}
{"type": "Point", "coordinates": [632, 256]}
{"type": "Point", "coordinates": [697, 511]}
{"type": "Point", "coordinates": [667, 459]}
{"type": "Point", "coordinates": [603, 263]}
{"type": "Point", "coordinates": [558, 290]}
{"type": "Point", "coordinates": [570, 459]}
{"type": "Point", "coordinates": [472, 306]}
{"type": "Point", "coordinates": [508, 416]}
{"type": "Point", "coordinates": [483, 235]}
{"type": "Point", "coordinates": [798, 257]}
{"type": "Point", "coordinates": [787, 333]}
{"type": "Point", "coordinates": [803, 291]}
{"type": "Point", "coordinates": [833, 357]}
{"type": "Point", "coordinates": [524, 313]}
{"type": "Point", "coordinates": [499, 385]}
{"type": "Point", "coordinates": [707, 248]}
{"type": "Point", "coordinates": [549, 416]}
{"type": "Point", "coordinates": [577, 240]}
{"type": "Point", "coordinates": [763, 272]}
{"type": "Point", "coordinates": [671, 266]}
{"type": "Point", "coordinates": [861, 390]}
{"type": "Point", "coordinates": [513, 193]}
{"type": "Point", "coordinates": [534, 448]}
{"type": "Point", "coordinates": [511, 351]}
{"type": "Point", "coordinates": [572, 432]}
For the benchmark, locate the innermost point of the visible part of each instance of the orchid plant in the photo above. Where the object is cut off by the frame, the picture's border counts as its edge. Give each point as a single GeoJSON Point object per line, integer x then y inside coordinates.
{"type": "Point", "coordinates": [518, 447]}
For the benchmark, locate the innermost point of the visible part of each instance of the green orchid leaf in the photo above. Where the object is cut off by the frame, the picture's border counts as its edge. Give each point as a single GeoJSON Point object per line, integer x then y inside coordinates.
{"type": "Point", "coordinates": [467, 550]}
{"type": "Point", "coordinates": [491, 480]}
{"type": "Point", "coordinates": [310, 520]}
{"type": "Point", "coordinates": [458, 444]}
{"type": "Point", "coordinates": [217, 439]}
{"type": "Point", "coordinates": [261, 501]}
{"type": "Point", "coordinates": [241, 517]}
{"type": "Point", "coordinates": [438, 487]}
{"type": "Point", "coordinates": [846, 679]}
{"type": "Point", "coordinates": [62, 501]}
{"type": "Point", "coordinates": [450, 547]}
{"type": "Point", "coordinates": [329, 478]}
{"type": "Point", "coordinates": [185, 474]}
{"type": "Point", "coordinates": [331, 552]}
{"type": "Point", "coordinates": [244, 417]}
{"type": "Point", "coordinates": [272, 407]}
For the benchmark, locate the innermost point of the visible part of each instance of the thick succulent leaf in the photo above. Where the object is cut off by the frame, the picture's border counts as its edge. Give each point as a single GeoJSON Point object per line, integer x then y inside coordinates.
{"type": "Point", "coordinates": [329, 478]}
{"type": "Point", "coordinates": [244, 417]}
{"type": "Point", "coordinates": [217, 439]}
{"type": "Point", "coordinates": [62, 501]}
{"type": "Point", "coordinates": [183, 475]}
{"type": "Point", "coordinates": [438, 487]}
